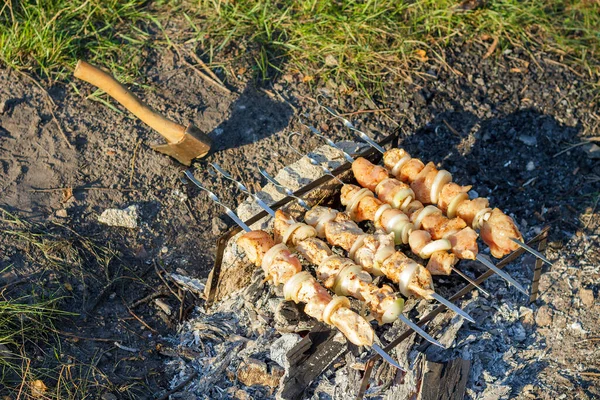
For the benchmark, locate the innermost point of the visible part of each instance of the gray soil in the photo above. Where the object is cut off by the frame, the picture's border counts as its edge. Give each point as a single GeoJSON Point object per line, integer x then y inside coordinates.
{"type": "Point", "coordinates": [491, 126]}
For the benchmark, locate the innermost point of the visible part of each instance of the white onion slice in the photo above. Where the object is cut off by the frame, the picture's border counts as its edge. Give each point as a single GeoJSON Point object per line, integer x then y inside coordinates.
{"type": "Point", "coordinates": [334, 304]}
{"type": "Point", "coordinates": [396, 170]}
{"type": "Point", "coordinates": [423, 213]}
{"type": "Point", "coordinates": [324, 219]}
{"type": "Point", "coordinates": [383, 253]}
{"type": "Point", "coordinates": [396, 225]}
{"type": "Point", "coordinates": [356, 245]}
{"type": "Point", "coordinates": [436, 245]}
{"type": "Point", "coordinates": [288, 232]}
{"type": "Point", "coordinates": [480, 217]}
{"type": "Point", "coordinates": [304, 232]}
{"type": "Point", "coordinates": [406, 277]}
{"type": "Point", "coordinates": [393, 312]}
{"type": "Point", "coordinates": [379, 213]}
{"type": "Point", "coordinates": [442, 178]}
{"type": "Point", "coordinates": [358, 196]}
{"type": "Point", "coordinates": [270, 255]}
{"type": "Point", "coordinates": [404, 205]}
{"type": "Point", "coordinates": [401, 195]}
{"type": "Point", "coordinates": [380, 185]}
{"type": "Point", "coordinates": [408, 229]}
{"type": "Point", "coordinates": [293, 285]}
{"type": "Point", "coordinates": [453, 206]}
{"type": "Point", "coordinates": [341, 280]}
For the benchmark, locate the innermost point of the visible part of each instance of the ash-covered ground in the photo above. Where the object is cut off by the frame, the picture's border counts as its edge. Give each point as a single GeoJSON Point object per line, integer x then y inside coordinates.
{"type": "Point", "coordinates": [502, 125]}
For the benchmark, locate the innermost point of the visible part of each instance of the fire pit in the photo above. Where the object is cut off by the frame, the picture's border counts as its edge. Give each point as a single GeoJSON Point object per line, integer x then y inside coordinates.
{"type": "Point", "coordinates": [319, 349]}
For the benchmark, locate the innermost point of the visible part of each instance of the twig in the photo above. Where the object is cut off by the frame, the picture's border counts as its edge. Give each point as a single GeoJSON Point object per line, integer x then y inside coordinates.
{"type": "Point", "coordinates": [592, 213]}
{"type": "Point", "coordinates": [156, 265]}
{"type": "Point", "coordinates": [130, 349]}
{"type": "Point", "coordinates": [80, 337]}
{"type": "Point", "coordinates": [162, 292]}
{"type": "Point", "coordinates": [205, 67]}
{"type": "Point", "coordinates": [83, 188]}
{"type": "Point", "coordinates": [451, 128]}
{"type": "Point", "coordinates": [132, 164]}
{"type": "Point", "coordinates": [378, 110]}
{"type": "Point", "coordinates": [593, 374]}
{"type": "Point", "coordinates": [585, 141]}
{"type": "Point", "coordinates": [179, 387]}
{"type": "Point", "coordinates": [492, 48]}
{"type": "Point", "coordinates": [140, 320]}
{"type": "Point", "coordinates": [182, 304]}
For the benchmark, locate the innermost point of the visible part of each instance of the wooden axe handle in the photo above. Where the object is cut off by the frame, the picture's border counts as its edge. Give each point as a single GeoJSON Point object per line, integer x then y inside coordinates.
{"type": "Point", "coordinates": [171, 131]}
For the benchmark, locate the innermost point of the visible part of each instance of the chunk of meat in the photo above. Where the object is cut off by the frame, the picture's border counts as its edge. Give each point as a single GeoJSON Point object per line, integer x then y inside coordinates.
{"type": "Point", "coordinates": [343, 233]}
{"type": "Point", "coordinates": [448, 193]}
{"type": "Point", "coordinates": [418, 239]}
{"type": "Point", "coordinates": [440, 226]}
{"type": "Point", "coordinates": [314, 250]}
{"type": "Point", "coordinates": [422, 183]}
{"type": "Point", "coordinates": [441, 263]}
{"type": "Point", "coordinates": [367, 206]}
{"type": "Point", "coordinates": [421, 284]}
{"type": "Point", "coordinates": [410, 170]}
{"type": "Point", "coordinates": [392, 156]}
{"type": "Point", "coordinates": [468, 209]}
{"type": "Point", "coordinates": [255, 244]}
{"type": "Point", "coordinates": [497, 231]}
{"type": "Point", "coordinates": [353, 326]}
{"type": "Point", "coordinates": [283, 267]}
{"type": "Point", "coordinates": [368, 174]}
{"type": "Point", "coordinates": [388, 190]}
{"type": "Point", "coordinates": [464, 244]}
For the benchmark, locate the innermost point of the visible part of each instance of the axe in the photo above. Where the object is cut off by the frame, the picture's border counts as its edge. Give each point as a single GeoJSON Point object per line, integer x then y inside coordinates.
{"type": "Point", "coordinates": [183, 144]}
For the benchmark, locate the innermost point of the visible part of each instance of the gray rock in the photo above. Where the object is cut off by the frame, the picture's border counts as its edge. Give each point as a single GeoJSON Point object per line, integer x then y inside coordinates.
{"type": "Point", "coordinates": [127, 218]}
{"type": "Point", "coordinates": [528, 140]}
{"type": "Point", "coordinates": [280, 348]}
{"type": "Point", "coordinates": [592, 150]}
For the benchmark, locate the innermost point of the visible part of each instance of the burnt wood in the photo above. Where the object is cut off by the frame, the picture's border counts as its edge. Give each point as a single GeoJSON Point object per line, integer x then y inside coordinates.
{"type": "Point", "coordinates": [308, 359]}
{"type": "Point", "coordinates": [445, 381]}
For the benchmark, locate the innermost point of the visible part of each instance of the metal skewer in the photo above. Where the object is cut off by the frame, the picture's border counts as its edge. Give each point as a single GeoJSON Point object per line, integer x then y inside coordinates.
{"type": "Point", "coordinates": [286, 190]}
{"type": "Point", "coordinates": [373, 144]}
{"type": "Point", "coordinates": [349, 158]}
{"type": "Point", "coordinates": [436, 296]}
{"type": "Point", "coordinates": [243, 188]}
{"type": "Point", "coordinates": [246, 228]}
{"type": "Point", "coordinates": [502, 274]}
{"type": "Point", "coordinates": [532, 251]}
{"type": "Point", "coordinates": [402, 318]}
{"type": "Point", "coordinates": [314, 162]}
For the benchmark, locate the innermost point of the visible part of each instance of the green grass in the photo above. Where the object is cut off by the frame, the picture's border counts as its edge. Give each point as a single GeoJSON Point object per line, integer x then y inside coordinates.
{"type": "Point", "coordinates": [353, 42]}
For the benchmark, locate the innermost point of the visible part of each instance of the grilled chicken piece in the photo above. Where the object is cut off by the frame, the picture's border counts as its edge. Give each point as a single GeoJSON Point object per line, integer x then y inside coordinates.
{"type": "Point", "coordinates": [497, 231]}
{"type": "Point", "coordinates": [368, 174]}
{"type": "Point", "coordinates": [314, 250]}
{"type": "Point", "coordinates": [367, 206]}
{"type": "Point", "coordinates": [448, 193]}
{"type": "Point", "coordinates": [420, 285]}
{"type": "Point", "coordinates": [374, 250]}
{"type": "Point", "coordinates": [464, 244]}
{"type": "Point", "coordinates": [441, 263]}
{"type": "Point", "coordinates": [255, 244]}
{"type": "Point", "coordinates": [421, 185]}
{"type": "Point", "coordinates": [342, 233]}
{"type": "Point", "coordinates": [440, 226]}
{"type": "Point", "coordinates": [468, 209]}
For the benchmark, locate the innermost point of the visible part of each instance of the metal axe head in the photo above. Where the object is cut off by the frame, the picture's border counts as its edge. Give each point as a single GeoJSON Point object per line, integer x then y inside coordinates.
{"type": "Point", "coordinates": [195, 144]}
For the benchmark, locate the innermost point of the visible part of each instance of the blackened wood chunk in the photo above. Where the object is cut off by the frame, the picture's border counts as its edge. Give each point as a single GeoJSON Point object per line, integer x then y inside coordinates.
{"type": "Point", "coordinates": [308, 359]}
{"type": "Point", "coordinates": [445, 381]}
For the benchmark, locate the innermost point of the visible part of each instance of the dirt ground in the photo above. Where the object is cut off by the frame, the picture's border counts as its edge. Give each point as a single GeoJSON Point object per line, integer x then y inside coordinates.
{"type": "Point", "coordinates": [501, 125]}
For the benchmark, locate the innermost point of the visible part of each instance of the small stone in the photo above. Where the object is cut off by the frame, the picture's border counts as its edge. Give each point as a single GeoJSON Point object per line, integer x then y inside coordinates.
{"type": "Point", "coordinates": [528, 140]}
{"type": "Point", "coordinates": [331, 61]}
{"type": "Point", "coordinates": [592, 150]}
{"type": "Point", "coordinates": [164, 249]}
{"type": "Point", "coordinates": [62, 213]}
{"type": "Point", "coordinates": [480, 82]}
{"type": "Point", "coordinates": [127, 218]}
{"type": "Point", "coordinates": [218, 226]}
{"type": "Point", "coordinates": [543, 316]}
{"type": "Point", "coordinates": [587, 297]}
{"type": "Point", "coordinates": [527, 319]}
{"type": "Point", "coordinates": [280, 348]}
{"type": "Point", "coordinates": [530, 166]}
{"type": "Point", "coordinates": [254, 372]}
